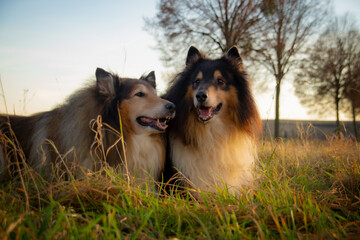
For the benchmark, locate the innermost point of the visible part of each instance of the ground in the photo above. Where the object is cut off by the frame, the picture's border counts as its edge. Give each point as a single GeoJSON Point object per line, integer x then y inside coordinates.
{"type": "Point", "coordinates": [305, 189]}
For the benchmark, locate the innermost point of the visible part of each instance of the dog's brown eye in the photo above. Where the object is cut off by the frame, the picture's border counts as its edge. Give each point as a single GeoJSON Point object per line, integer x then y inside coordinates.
{"type": "Point", "coordinates": [140, 94]}
{"type": "Point", "coordinates": [196, 82]}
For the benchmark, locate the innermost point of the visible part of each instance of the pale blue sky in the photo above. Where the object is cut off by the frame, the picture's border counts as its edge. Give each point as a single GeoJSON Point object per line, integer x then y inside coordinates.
{"type": "Point", "coordinates": [51, 48]}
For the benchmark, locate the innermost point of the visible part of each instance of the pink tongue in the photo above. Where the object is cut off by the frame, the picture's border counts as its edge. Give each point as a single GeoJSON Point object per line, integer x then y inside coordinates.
{"type": "Point", "coordinates": [205, 113]}
{"type": "Point", "coordinates": [147, 120]}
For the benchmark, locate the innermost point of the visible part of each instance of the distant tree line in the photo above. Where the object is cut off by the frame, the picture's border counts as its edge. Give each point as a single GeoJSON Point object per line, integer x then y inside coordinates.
{"type": "Point", "coordinates": [274, 34]}
{"type": "Point", "coordinates": [329, 73]}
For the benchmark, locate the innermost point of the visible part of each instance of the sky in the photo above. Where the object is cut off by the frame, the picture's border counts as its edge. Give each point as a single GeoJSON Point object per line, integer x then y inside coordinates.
{"type": "Point", "coordinates": [49, 49]}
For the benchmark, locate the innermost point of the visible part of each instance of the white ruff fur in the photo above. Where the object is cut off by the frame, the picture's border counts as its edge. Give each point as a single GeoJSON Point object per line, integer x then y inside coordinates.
{"type": "Point", "coordinates": [224, 156]}
{"type": "Point", "coordinates": [145, 155]}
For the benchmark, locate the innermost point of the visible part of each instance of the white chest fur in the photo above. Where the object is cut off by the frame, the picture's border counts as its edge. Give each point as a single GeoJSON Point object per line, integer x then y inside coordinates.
{"type": "Point", "coordinates": [145, 155]}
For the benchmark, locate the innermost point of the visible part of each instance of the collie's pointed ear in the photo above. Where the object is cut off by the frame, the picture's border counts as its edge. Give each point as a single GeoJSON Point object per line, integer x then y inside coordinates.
{"type": "Point", "coordinates": [150, 78]}
{"type": "Point", "coordinates": [193, 55]}
{"type": "Point", "coordinates": [105, 83]}
{"type": "Point", "coordinates": [234, 54]}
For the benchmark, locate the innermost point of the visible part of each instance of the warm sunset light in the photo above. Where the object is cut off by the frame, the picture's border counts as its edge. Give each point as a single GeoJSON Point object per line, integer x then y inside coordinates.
{"type": "Point", "coordinates": [179, 119]}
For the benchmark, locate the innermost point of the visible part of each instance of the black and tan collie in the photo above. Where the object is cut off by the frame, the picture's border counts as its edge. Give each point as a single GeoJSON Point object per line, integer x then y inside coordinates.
{"type": "Point", "coordinates": [212, 137]}
{"type": "Point", "coordinates": [111, 114]}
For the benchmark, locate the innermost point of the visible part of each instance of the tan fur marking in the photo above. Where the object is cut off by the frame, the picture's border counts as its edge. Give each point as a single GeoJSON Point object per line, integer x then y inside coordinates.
{"type": "Point", "coordinates": [231, 106]}
{"type": "Point", "coordinates": [217, 75]}
{"type": "Point", "coordinates": [149, 105]}
{"type": "Point", "coordinates": [189, 94]}
{"type": "Point", "coordinates": [199, 76]}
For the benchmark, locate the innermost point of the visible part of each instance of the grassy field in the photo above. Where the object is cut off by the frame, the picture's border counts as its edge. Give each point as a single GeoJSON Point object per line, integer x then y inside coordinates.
{"type": "Point", "coordinates": [306, 189]}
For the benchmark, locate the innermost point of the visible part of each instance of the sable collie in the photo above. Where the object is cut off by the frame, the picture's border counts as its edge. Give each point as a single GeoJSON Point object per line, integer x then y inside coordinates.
{"type": "Point", "coordinates": [126, 110]}
{"type": "Point", "coordinates": [212, 137]}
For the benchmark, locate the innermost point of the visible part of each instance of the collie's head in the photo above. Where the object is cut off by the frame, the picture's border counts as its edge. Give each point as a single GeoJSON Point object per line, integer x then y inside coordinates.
{"type": "Point", "coordinates": [135, 100]}
{"type": "Point", "coordinates": [210, 89]}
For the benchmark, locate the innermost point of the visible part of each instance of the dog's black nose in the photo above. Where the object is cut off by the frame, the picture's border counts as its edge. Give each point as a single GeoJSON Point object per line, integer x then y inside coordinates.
{"type": "Point", "coordinates": [170, 106]}
{"type": "Point", "coordinates": [201, 96]}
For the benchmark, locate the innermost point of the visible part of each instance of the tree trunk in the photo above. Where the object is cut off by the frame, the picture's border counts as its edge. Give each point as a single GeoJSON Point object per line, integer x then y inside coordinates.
{"type": "Point", "coordinates": [277, 111]}
{"type": "Point", "coordinates": [354, 121]}
{"type": "Point", "coordinates": [337, 100]}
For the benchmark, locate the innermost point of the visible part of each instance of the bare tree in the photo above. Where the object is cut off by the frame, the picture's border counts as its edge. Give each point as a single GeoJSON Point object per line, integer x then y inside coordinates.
{"type": "Point", "coordinates": [352, 88]}
{"type": "Point", "coordinates": [212, 25]}
{"type": "Point", "coordinates": [324, 77]}
{"type": "Point", "coordinates": [288, 24]}
{"type": "Point", "coordinates": [352, 94]}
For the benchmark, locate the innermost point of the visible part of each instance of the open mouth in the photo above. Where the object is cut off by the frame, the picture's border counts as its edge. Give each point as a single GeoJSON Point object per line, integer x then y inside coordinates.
{"type": "Point", "coordinates": [207, 113]}
{"type": "Point", "coordinates": [158, 124]}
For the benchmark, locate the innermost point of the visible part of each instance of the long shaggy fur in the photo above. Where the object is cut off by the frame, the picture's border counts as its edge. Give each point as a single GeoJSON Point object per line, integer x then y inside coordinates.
{"type": "Point", "coordinates": [212, 137]}
{"type": "Point", "coordinates": [85, 131]}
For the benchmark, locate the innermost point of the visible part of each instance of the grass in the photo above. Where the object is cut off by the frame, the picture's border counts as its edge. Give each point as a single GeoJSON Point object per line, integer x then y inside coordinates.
{"type": "Point", "coordinates": [306, 189]}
